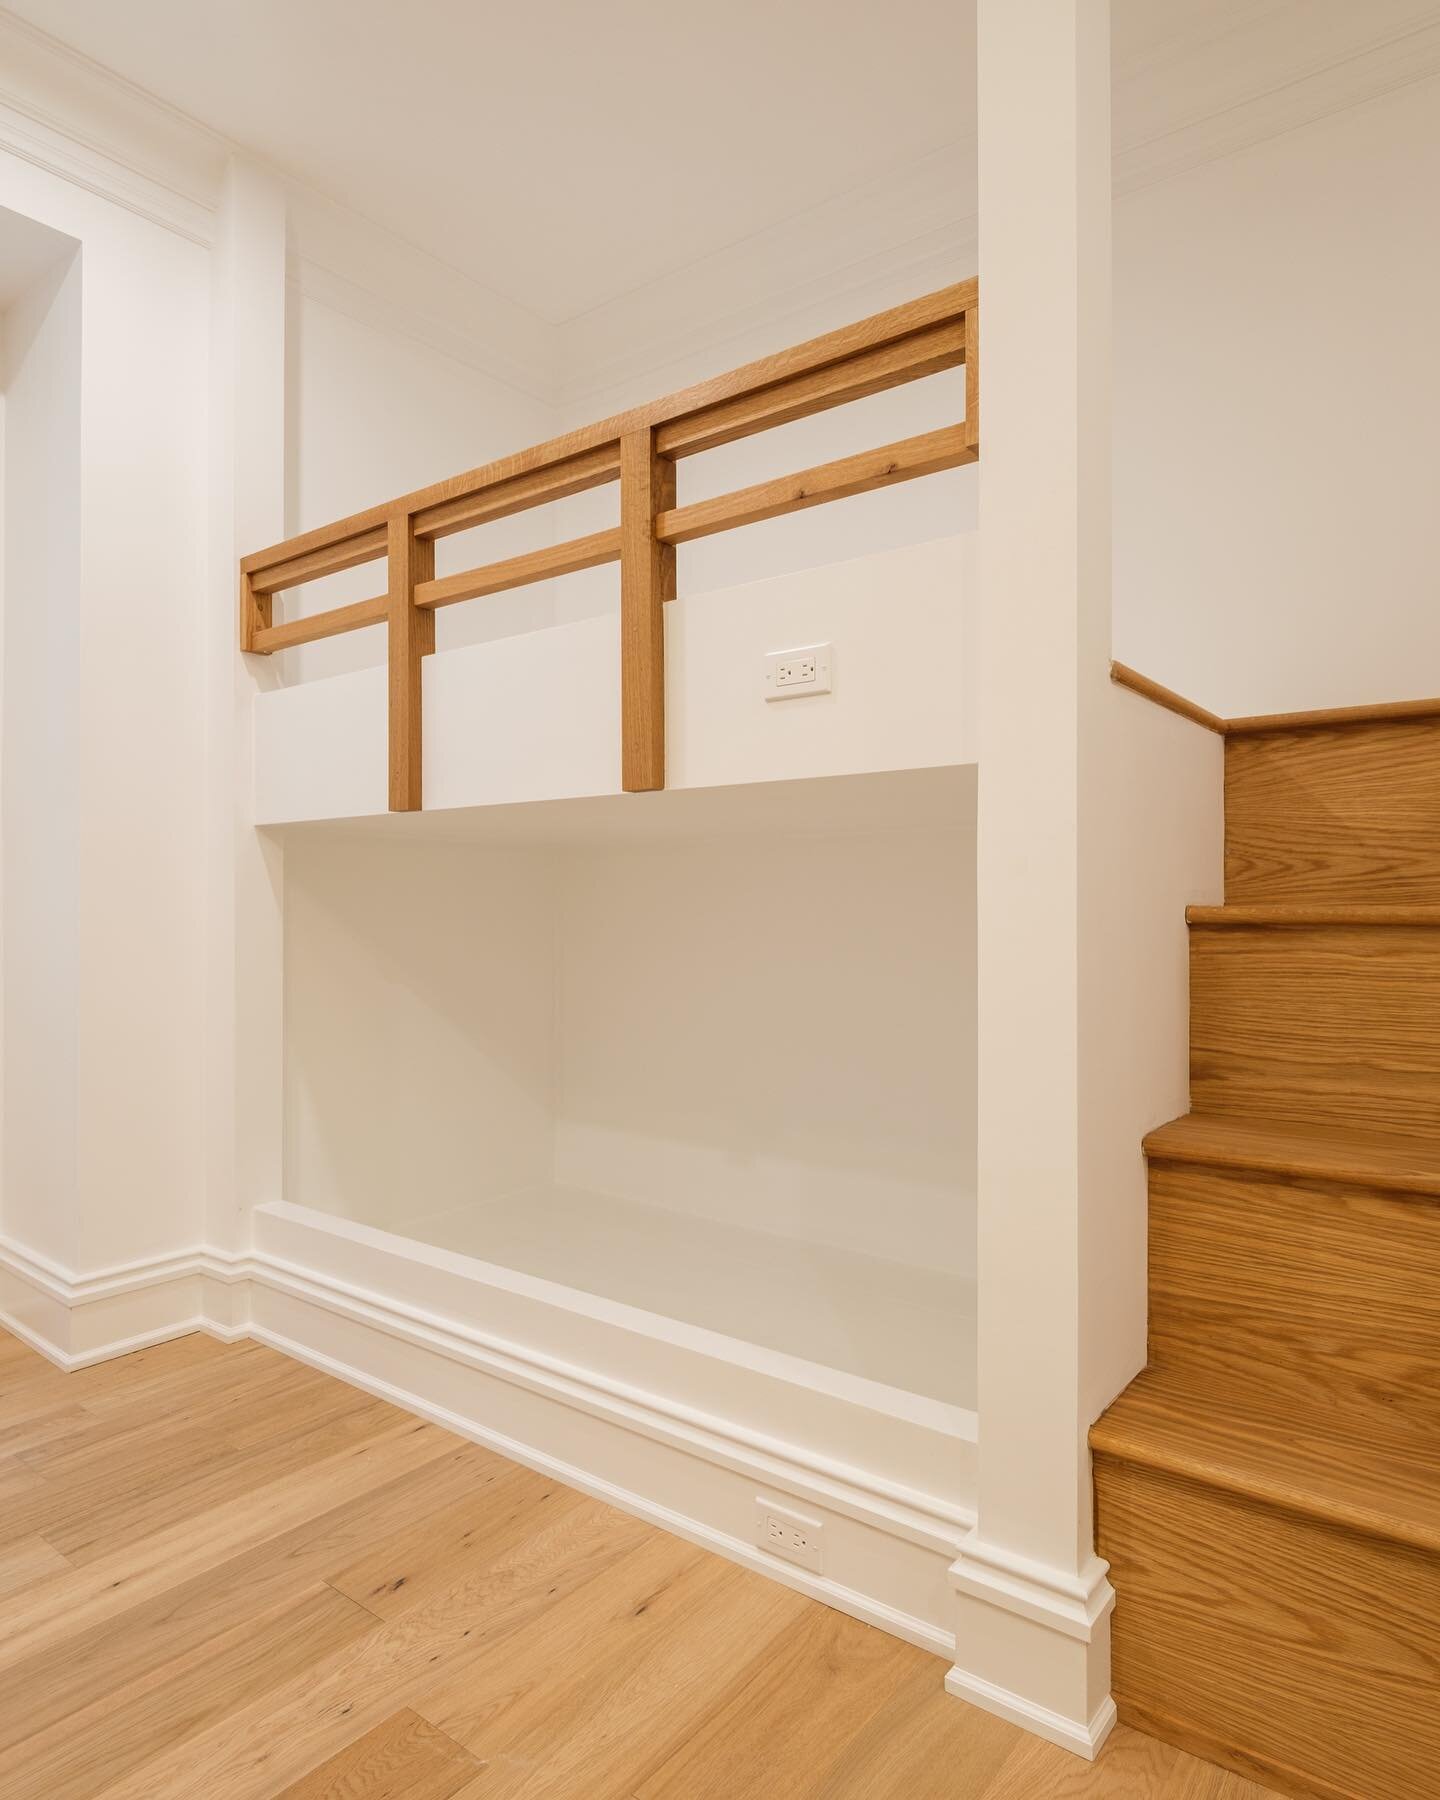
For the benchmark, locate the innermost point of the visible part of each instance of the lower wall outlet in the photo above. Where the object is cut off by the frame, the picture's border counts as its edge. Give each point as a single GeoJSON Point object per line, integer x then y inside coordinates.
{"type": "Point", "coordinates": [789, 1534]}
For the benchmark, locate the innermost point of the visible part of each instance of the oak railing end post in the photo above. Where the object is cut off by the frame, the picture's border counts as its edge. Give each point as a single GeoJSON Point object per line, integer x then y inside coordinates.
{"type": "Point", "coordinates": [411, 638]}
{"type": "Point", "coordinates": [972, 375]}
{"type": "Point", "coordinates": [256, 614]}
{"type": "Point", "coordinates": [647, 581]}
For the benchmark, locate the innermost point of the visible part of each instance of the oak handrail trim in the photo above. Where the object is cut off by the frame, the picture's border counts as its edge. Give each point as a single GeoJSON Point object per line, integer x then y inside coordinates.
{"type": "Point", "coordinates": [325, 559]}
{"type": "Point", "coordinates": [639, 449]}
{"type": "Point", "coordinates": [926, 454]}
{"type": "Point", "coordinates": [519, 571]}
{"type": "Point", "coordinates": [333, 623]}
{"type": "Point", "coordinates": [839, 346]}
{"type": "Point", "coordinates": [538, 487]}
{"type": "Point", "coordinates": [889, 365]}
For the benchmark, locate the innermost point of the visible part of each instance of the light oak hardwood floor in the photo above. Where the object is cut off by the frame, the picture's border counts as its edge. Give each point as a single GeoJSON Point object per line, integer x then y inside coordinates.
{"type": "Point", "coordinates": [224, 1576]}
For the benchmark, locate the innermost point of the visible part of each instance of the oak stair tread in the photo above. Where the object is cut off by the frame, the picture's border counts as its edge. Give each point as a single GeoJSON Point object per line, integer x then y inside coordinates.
{"type": "Point", "coordinates": [1407, 1165]}
{"type": "Point", "coordinates": [1340, 914]}
{"type": "Point", "coordinates": [1345, 1469]}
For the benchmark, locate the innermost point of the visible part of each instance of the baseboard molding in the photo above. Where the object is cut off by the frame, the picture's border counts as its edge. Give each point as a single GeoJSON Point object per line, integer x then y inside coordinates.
{"type": "Point", "coordinates": [1034, 1643]}
{"type": "Point", "coordinates": [887, 1558]}
{"type": "Point", "coordinates": [869, 1608]}
{"type": "Point", "coordinates": [1082, 1740]}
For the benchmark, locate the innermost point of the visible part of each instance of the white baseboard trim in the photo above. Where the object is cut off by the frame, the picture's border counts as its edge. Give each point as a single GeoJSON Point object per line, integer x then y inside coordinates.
{"type": "Point", "coordinates": [703, 1473]}
{"type": "Point", "coordinates": [832, 1593]}
{"type": "Point", "coordinates": [1073, 1604]}
{"type": "Point", "coordinates": [1083, 1740]}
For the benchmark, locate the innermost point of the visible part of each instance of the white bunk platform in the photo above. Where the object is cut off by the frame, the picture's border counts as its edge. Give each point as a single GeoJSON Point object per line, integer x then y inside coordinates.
{"type": "Point", "coordinates": [687, 1209]}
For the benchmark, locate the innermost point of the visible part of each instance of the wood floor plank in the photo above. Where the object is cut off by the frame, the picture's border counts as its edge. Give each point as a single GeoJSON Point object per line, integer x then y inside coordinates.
{"type": "Point", "coordinates": [355, 1420]}
{"type": "Point", "coordinates": [503, 1505]}
{"type": "Point", "coordinates": [580, 1706]}
{"type": "Point", "coordinates": [88, 1750]}
{"type": "Point", "coordinates": [923, 1745]}
{"type": "Point", "coordinates": [1129, 1767]}
{"type": "Point", "coordinates": [181, 1619]}
{"type": "Point", "coordinates": [111, 1585]}
{"type": "Point", "coordinates": [26, 1561]}
{"type": "Point", "coordinates": [262, 1746]}
{"type": "Point", "coordinates": [782, 1728]}
{"type": "Point", "coordinates": [402, 1758]}
{"type": "Point", "coordinates": [413, 1616]}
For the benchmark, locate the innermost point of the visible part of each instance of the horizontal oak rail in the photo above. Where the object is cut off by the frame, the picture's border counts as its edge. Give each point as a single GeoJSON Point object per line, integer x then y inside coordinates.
{"type": "Point", "coordinates": [925, 455]}
{"type": "Point", "coordinates": [639, 450]}
{"type": "Point", "coordinates": [518, 571]}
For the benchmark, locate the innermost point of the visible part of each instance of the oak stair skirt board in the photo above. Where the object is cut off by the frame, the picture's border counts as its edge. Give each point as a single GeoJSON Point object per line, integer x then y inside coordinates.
{"type": "Point", "coordinates": [1268, 1491]}
{"type": "Point", "coordinates": [577, 1382]}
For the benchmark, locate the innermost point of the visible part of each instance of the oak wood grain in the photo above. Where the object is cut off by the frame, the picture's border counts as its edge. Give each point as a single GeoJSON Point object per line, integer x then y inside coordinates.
{"type": "Point", "coordinates": [898, 323]}
{"type": "Point", "coordinates": [1338, 814]}
{"type": "Point", "coordinates": [647, 581]}
{"type": "Point", "coordinates": [1336, 1153]}
{"type": "Point", "coordinates": [1325, 1024]}
{"type": "Point", "coordinates": [1261, 1630]}
{"type": "Point", "coordinates": [1327, 1294]}
{"type": "Point", "coordinates": [926, 454]}
{"type": "Point", "coordinates": [501, 1636]}
{"type": "Point", "coordinates": [401, 1756]}
{"type": "Point", "coordinates": [1124, 676]}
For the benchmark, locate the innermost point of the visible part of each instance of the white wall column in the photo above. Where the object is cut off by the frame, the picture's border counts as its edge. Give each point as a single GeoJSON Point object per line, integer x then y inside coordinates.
{"type": "Point", "coordinates": [245, 872]}
{"type": "Point", "coordinates": [1033, 1602]}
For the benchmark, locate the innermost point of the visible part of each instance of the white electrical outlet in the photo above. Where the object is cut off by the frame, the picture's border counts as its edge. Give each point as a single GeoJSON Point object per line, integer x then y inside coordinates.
{"type": "Point", "coordinates": [791, 673]}
{"type": "Point", "coordinates": [789, 1534]}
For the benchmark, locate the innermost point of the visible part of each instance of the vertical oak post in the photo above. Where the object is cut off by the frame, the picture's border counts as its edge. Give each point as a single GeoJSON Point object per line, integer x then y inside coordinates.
{"type": "Point", "coordinates": [972, 375]}
{"type": "Point", "coordinates": [647, 581]}
{"type": "Point", "coordinates": [256, 613]}
{"type": "Point", "coordinates": [411, 639]}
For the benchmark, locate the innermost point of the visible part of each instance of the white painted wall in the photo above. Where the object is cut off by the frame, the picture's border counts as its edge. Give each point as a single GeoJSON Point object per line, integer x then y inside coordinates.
{"type": "Point", "coordinates": [769, 1028]}
{"type": "Point", "coordinates": [1276, 379]}
{"type": "Point", "coordinates": [419, 1026]}
{"type": "Point", "coordinates": [131, 682]}
{"type": "Point", "coordinates": [778, 1035]}
{"type": "Point", "coordinates": [374, 413]}
{"type": "Point", "coordinates": [40, 758]}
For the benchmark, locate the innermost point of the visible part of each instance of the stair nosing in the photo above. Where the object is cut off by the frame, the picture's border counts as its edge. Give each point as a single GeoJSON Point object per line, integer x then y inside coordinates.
{"type": "Point", "coordinates": [1279, 916]}
{"type": "Point", "coordinates": [1369, 1522]}
{"type": "Point", "coordinates": [1321, 1162]}
{"type": "Point", "coordinates": [1129, 1442]}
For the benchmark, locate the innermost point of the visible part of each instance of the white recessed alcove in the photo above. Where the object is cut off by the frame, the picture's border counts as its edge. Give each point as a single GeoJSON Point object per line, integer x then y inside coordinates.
{"type": "Point", "coordinates": [671, 1091]}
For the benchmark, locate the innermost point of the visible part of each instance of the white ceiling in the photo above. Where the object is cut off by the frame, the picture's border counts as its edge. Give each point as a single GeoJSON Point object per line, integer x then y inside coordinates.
{"type": "Point", "coordinates": [565, 152]}
{"type": "Point", "coordinates": [559, 152]}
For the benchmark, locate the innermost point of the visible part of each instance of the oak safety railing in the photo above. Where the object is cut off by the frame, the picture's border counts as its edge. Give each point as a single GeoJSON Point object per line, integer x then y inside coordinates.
{"type": "Point", "coordinates": [639, 449]}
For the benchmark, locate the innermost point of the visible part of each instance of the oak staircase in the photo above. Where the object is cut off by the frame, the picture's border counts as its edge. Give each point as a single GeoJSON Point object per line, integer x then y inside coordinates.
{"type": "Point", "coordinates": [1268, 1491]}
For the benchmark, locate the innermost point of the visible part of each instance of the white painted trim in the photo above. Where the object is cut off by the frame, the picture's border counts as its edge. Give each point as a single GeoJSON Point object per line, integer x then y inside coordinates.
{"type": "Point", "coordinates": [831, 1593]}
{"type": "Point", "coordinates": [1083, 1740]}
{"type": "Point", "coordinates": [53, 149]}
{"type": "Point", "coordinates": [1064, 1602]}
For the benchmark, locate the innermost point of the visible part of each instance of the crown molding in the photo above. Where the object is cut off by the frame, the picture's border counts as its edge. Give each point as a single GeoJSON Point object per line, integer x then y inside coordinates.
{"type": "Point", "coordinates": [89, 126]}
{"type": "Point", "coordinates": [1356, 55]}
{"type": "Point", "coordinates": [346, 262]}
{"type": "Point", "coordinates": [911, 229]}
{"type": "Point", "coordinates": [81, 122]}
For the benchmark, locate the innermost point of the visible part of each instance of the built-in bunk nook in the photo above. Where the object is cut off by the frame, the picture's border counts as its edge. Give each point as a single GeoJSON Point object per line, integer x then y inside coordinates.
{"type": "Point", "coordinates": [630, 983]}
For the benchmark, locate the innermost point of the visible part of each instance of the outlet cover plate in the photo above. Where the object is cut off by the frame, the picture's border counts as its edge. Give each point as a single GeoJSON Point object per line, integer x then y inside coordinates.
{"type": "Point", "coordinates": [806, 670]}
{"type": "Point", "coordinates": [791, 1535]}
